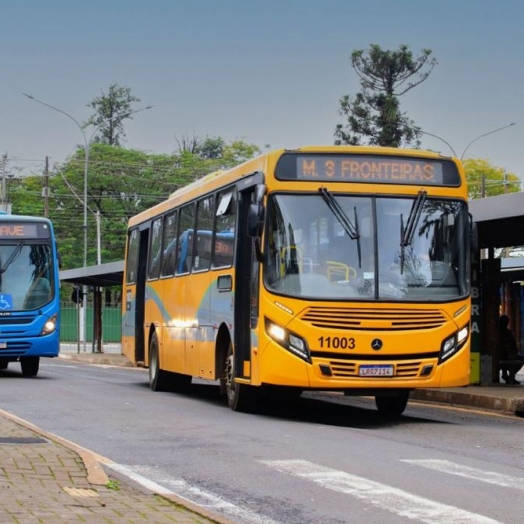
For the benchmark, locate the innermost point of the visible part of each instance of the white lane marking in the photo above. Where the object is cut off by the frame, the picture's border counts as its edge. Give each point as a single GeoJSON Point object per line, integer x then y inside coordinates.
{"type": "Point", "coordinates": [445, 466]}
{"type": "Point", "coordinates": [165, 485]}
{"type": "Point", "coordinates": [379, 495]}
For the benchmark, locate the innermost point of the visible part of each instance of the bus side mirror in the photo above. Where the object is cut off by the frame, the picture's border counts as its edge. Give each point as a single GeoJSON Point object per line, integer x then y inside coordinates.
{"type": "Point", "coordinates": [255, 222]}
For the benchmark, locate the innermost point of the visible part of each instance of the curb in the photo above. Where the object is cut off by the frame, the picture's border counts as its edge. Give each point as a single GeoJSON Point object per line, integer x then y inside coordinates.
{"type": "Point", "coordinates": [95, 473]}
{"type": "Point", "coordinates": [506, 405]}
{"type": "Point", "coordinates": [106, 359]}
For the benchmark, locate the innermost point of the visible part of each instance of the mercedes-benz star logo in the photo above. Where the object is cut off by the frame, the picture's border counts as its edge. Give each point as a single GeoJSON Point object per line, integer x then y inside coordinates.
{"type": "Point", "coordinates": [376, 344]}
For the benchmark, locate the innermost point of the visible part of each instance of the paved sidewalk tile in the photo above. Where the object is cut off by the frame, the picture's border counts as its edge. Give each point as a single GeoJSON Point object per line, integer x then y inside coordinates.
{"type": "Point", "coordinates": [42, 481]}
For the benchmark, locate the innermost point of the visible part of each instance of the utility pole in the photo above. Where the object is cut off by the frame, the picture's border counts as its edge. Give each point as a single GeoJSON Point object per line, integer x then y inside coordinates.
{"type": "Point", "coordinates": [4, 162]}
{"type": "Point", "coordinates": [45, 191]}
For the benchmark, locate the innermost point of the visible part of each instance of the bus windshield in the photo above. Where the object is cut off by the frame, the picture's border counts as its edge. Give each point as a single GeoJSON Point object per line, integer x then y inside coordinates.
{"type": "Point", "coordinates": [26, 272]}
{"type": "Point", "coordinates": [339, 246]}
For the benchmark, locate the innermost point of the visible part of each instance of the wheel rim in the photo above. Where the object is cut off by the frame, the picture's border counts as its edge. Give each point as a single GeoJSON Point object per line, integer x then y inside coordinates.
{"type": "Point", "coordinates": [153, 363]}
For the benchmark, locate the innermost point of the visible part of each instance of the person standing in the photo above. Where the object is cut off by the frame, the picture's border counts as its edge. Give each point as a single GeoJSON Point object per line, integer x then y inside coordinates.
{"type": "Point", "coordinates": [511, 360]}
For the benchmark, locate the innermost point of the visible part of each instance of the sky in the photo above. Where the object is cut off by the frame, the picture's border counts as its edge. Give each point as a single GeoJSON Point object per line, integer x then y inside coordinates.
{"type": "Point", "coordinates": [270, 72]}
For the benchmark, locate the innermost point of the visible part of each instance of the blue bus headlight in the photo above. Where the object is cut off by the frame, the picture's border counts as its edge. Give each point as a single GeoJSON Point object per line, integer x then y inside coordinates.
{"type": "Point", "coordinates": [293, 343]}
{"type": "Point", "coordinates": [453, 343]}
{"type": "Point", "coordinates": [49, 326]}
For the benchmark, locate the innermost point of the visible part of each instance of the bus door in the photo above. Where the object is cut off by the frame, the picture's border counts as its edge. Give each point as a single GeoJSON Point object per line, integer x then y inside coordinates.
{"type": "Point", "coordinates": [136, 269]}
{"type": "Point", "coordinates": [246, 286]}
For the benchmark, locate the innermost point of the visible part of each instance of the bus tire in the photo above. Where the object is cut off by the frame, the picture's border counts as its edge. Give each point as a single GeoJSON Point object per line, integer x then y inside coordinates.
{"type": "Point", "coordinates": [240, 397]}
{"type": "Point", "coordinates": [30, 366]}
{"type": "Point", "coordinates": [3, 365]}
{"type": "Point", "coordinates": [392, 405]}
{"type": "Point", "coordinates": [158, 378]}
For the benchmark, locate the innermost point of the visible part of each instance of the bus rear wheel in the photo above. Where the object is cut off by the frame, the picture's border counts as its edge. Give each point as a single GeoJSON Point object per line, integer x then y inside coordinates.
{"type": "Point", "coordinates": [158, 378]}
{"type": "Point", "coordinates": [30, 366]}
{"type": "Point", "coordinates": [240, 397]}
{"type": "Point", "coordinates": [392, 405]}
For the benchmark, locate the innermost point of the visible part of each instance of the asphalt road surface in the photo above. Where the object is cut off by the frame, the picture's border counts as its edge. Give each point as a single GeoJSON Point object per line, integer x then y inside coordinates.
{"type": "Point", "coordinates": [319, 459]}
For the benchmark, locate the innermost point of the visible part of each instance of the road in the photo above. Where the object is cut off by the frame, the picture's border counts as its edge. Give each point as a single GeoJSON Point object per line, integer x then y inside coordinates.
{"type": "Point", "coordinates": [320, 459]}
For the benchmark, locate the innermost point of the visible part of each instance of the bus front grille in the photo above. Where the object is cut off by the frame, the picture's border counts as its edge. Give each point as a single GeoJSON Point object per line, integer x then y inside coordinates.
{"type": "Point", "coordinates": [340, 369]}
{"type": "Point", "coordinates": [373, 319]}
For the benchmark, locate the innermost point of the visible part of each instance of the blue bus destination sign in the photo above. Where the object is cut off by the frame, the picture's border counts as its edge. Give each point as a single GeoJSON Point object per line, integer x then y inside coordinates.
{"type": "Point", "coordinates": [20, 230]}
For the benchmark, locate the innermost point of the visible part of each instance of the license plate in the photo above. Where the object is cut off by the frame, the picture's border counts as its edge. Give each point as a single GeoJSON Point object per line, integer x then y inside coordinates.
{"type": "Point", "coordinates": [376, 370]}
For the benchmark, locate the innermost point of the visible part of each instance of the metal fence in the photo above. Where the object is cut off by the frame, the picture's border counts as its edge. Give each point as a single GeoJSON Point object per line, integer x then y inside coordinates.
{"type": "Point", "coordinates": [71, 320]}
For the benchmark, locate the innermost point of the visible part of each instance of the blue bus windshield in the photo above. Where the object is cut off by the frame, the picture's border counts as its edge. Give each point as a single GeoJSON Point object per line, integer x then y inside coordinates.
{"type": "Point", "coordinates": [26, 275]}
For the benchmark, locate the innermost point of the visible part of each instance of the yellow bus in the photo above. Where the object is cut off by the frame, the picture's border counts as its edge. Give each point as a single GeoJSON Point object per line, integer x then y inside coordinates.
{"type": "Point", "coordinates": [337, 268]}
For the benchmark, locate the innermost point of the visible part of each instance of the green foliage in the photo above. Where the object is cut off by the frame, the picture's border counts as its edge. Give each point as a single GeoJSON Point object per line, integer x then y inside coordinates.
{"type": "Point", "coordinates": [112, 108]}
{"type": "Point", "coordinates": [113, 484]}
{"type": "Point", "coordinates": [120, 183]}
{"type": "Point", "coordinates": [373, 115]}
{"type": "Point", "coordinates": [485, 179]}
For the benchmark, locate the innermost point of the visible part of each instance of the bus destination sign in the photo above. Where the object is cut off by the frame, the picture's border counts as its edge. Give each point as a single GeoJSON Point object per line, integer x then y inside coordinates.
{"type": "Point", "coordinates": [22, 230]}
{"type": "Point", "coordinates": [369, 169]}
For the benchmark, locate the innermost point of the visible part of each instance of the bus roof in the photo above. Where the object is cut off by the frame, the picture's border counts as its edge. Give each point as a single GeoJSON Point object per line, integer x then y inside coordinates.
{"type": "Point", "coordinates": [218, 179]}
{"type": "Point", "coordinates": [8, 217]}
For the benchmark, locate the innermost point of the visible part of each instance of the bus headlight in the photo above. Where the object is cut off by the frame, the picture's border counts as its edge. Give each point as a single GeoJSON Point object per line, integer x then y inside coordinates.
{"type": "Point", "coordinates": [49, 326]}
{"type": "Point", "coordinates": [293, 343]}
{"type": "Point", "coordinates": [453, 343]}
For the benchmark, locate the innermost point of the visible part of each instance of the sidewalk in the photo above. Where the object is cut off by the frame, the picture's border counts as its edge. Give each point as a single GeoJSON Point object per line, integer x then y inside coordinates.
{"type": "Point", "coordinates": [49, 480]}
{"type": "Point", "coordinates": [501, 398]}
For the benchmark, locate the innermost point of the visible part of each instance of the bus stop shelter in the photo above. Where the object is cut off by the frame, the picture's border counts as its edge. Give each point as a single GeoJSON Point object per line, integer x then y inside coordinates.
{"type": "Point", "coordinates": [500, 222]}
{"type": "Point", "coordinates": [95, 278]}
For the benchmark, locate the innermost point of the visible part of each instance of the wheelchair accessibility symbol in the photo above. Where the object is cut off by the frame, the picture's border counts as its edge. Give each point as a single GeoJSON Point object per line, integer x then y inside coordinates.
{"type": "Point", "coordinates": [6, 302]}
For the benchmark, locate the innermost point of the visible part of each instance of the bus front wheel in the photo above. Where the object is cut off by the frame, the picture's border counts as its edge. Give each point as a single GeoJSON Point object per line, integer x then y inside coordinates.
{"type": "Point", "coordinates": [240, 397]}
{"type": "Point", "coordinates": [30, 366]}
{"type": "Point", "coordinates": [392, 405]}
{"type": "Point", "coordinates": [158, 378]}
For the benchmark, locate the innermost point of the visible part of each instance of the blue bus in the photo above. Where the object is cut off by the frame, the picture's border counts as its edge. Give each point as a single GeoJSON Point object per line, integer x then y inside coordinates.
{"type": "Point", "coordinates": [29, 292]}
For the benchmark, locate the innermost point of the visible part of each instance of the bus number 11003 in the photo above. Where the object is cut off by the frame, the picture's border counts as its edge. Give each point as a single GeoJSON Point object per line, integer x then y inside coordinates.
{"type": "Point", "coordinates": [336, 343]}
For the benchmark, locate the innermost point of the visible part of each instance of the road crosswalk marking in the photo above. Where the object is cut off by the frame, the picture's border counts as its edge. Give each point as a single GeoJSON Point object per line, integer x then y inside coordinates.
{"type": "Point", "coordinates": [380, 495]}
{"type": "Point", "coordinates": [163, 484]}
{"type": "Point", "coordinates": [451, 468]}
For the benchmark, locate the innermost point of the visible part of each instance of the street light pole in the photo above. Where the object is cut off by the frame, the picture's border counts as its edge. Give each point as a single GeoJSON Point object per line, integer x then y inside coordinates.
{"type": "Point", "coordinates": [86, 163]}
{"type": "Point", "coordinates": [485, 134]}
{"type": "Point", "coordinates": [87, 144]}
{"type": "Point", "coordinates": [471, 142]}
{"type": "Point", "coordinates": [439, 138]}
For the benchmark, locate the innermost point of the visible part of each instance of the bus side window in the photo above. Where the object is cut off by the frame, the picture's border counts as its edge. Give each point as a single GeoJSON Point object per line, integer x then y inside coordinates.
{"type": "Point", "coordinates": [204, 227]}
{"type": "Point", "coordinates": [155, 250]}
{"type": "Point", "coordinates": [170, 245]}
{"type": "Point", "coordinates": [225, 227]}
{"type": "Point", "coordinates": [132, 256]}
{"type": "Point", "coordinates": [186, 223]}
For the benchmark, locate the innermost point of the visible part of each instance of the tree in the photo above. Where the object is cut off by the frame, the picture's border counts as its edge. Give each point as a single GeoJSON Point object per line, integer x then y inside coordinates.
{"type": "Point", "coordinates": [485, 179]}
{"type": "Point", "coordinates": [112, 109]}
{"type": "Point", "coordinates": [373, 115]}
{"type": "Point", "coordinates": [121, 183]}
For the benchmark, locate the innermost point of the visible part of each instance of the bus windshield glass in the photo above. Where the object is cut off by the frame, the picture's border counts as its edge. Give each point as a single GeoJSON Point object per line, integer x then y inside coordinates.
{"type": "Point", "coordinates": [26, 273]}
{"type": "Point", "coordinates": [338, 246]}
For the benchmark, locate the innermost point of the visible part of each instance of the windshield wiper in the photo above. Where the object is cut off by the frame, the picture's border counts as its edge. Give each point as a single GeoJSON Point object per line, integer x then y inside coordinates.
{"type": "Point", "coordinates": [408, 232]}
{"type": "Point", "coordinates": [352, 230]}
{"type": "Point", "coordinates": [11, 258]}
